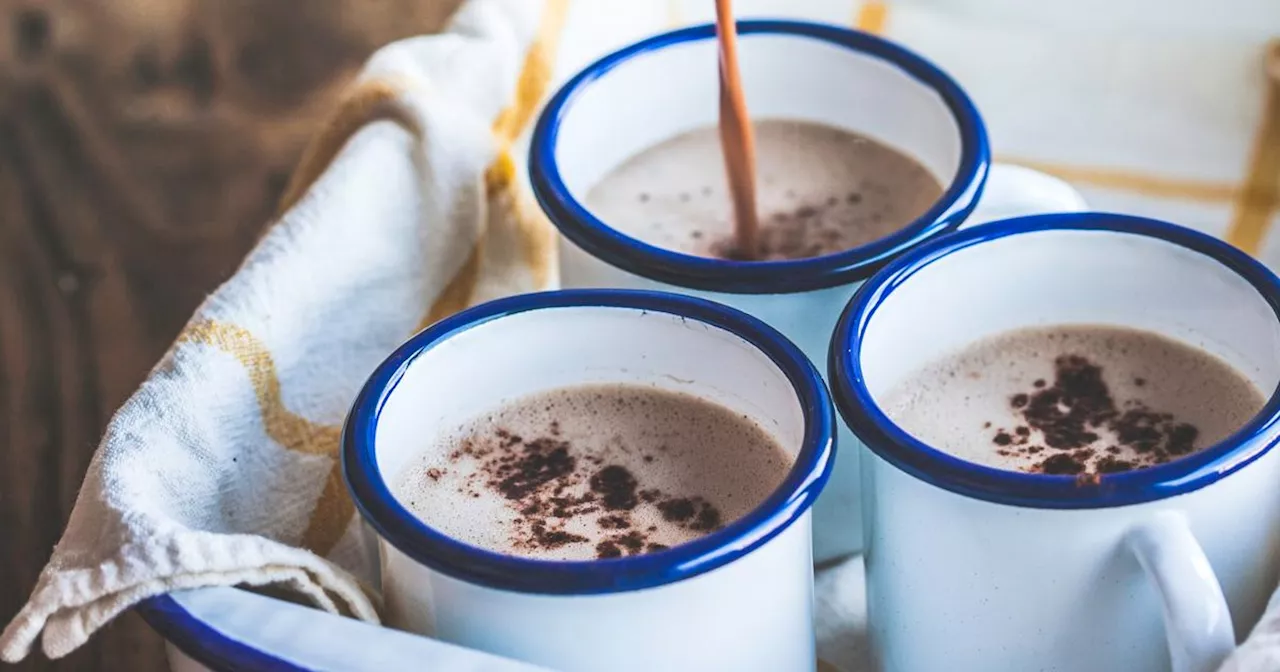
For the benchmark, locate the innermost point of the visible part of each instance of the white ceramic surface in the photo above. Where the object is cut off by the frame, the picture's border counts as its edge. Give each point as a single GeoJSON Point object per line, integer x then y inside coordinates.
{"type": "Point", "coordinates": [849, 81]}
{"type": "Point", "coordinates": [748, 582]}
{"type": "Point", "coordinates": [970, 568]}
{"type": "Point", "coordinates": [238, 630]}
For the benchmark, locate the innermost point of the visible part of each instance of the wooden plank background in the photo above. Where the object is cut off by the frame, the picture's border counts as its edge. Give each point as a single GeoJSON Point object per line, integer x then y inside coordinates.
{"type": "Point", "coordinates": [142, 146]}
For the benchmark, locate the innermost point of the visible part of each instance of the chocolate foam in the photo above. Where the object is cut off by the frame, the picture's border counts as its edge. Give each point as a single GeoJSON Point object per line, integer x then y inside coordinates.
{"type": "Point", "coordinates": [598, 471]}
{"type": "Point", "coordinates": [1076, 400]}
{"type": "Point", "coordinates": [820, 190]}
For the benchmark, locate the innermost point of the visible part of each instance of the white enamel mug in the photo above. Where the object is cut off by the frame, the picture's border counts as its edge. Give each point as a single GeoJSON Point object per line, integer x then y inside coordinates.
{"type": "Point", "coordinates": [739, 598]}
{"type": "Point", "coordinates": [975, 568]}
{"type": "Point", "coordinates": [665, 85]}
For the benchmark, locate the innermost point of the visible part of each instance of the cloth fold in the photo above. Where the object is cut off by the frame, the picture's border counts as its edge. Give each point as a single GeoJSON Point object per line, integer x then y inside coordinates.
{"type": "Point", "coordinates": [410, 206]}
{"type": "Point", "coordinates": [221, 469]}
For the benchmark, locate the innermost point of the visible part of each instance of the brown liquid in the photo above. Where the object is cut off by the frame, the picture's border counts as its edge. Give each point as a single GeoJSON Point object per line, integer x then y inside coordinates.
{"type": "Point", "coordinates": [821, 190]}
{"type": "Point", "coordinates": [1077, 400]}
{"type": "Point", "coordinates": [595, 471]}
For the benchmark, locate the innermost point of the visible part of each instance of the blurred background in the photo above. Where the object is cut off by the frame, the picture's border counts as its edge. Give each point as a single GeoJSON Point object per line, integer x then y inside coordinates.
{"type": "Point", "coordinates": [143, 145]}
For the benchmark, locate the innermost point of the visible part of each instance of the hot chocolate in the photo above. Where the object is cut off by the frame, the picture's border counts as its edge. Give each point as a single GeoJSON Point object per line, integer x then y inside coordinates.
{"type": "Point", "coordinates": [1079, 400]}
{"type": "Point", "coordinates": [819, 190]}
{"type": "Point", "coordinates": [596, 471]}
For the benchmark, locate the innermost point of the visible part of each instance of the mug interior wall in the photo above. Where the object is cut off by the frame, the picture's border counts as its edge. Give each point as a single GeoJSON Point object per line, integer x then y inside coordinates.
{"type": "Point", "coordinates": [1070, 277]}
{"type": "Point", "coordinates": [658, 94]}
{"type": "Point", "coordinates": [476, 370]}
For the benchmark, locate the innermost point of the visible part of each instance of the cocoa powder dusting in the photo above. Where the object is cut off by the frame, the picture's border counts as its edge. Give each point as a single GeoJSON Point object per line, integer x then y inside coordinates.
{"type": "Point", "coordinates": [707, 520]}
{"type": "Point", "coordinates": [614, 522]}
{"type": "Point", "coordinates": [551, 538]}
{"type": "Point", "coordinates": [548, 484]}
{"type": "Point", "coordinates": [809, 230]}
{"type": "Point", "coordinates": [608, 549]}
{"type": "Point", "coordinates": [1071, 415]}
{"type": "Point", "coordinates": [677, 510]}
{"type": "Point", "coordinates": [538, 463]}
{"type": "Point", "coordinates": [616, 487]}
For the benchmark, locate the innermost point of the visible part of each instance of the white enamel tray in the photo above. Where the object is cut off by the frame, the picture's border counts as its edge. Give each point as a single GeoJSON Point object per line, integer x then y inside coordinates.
{"type": "Point", "coordinates": [226, 629]}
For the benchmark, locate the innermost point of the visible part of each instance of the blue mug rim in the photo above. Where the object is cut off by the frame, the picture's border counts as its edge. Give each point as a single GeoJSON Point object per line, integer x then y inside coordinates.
{"type": "Point", "coordinates": [791, 499]}
{"type": "Point", "coordinates": [928, 464]}
{"type": "Point", "coordinates": [591, 234]}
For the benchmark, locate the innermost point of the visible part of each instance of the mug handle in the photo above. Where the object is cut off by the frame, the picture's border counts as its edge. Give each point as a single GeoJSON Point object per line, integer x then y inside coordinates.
{"type": "Point", "coordinates": [1196, 620]}
{"type": "Point", "coordinates": [1013, 191]}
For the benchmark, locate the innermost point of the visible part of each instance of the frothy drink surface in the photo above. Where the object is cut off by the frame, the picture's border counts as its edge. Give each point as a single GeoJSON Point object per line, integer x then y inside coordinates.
{"type": "Point", "coordinates": [819, 190]}
{"type": "Point", "coordinates": [1080, 400]}
{"type": "Point", "coordinates": [595, 471]}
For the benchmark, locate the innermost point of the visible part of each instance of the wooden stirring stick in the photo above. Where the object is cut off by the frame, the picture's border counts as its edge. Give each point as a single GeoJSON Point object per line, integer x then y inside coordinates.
{"type": "Point", "coordinates": [737, 137]}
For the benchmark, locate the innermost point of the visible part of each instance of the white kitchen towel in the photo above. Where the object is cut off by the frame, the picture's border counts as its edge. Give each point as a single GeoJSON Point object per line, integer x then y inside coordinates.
{"type": "Point", "coordinates": [410, 206]}
{"type": "Point", "coordinates": [221, 469]}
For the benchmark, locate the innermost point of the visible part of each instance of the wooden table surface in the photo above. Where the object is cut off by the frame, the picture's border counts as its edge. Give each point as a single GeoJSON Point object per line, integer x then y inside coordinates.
{"type": "Point", "coordinates": [142, 146]}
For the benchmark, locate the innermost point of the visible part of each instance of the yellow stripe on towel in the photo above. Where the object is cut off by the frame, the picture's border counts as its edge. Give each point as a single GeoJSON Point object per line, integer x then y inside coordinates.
{"type": "Point", "coordinates": [537, 235]}
{"type": "Point", "coordinates": [1134, 182]}
{"type": "Point", "coordinates": [871, 17]}
{"type": "Point", "coordinates": [1260, 196]}
{"type": "Point", "coordinates": [374, 99]}
{"type": "Point", "coordinates": [290, 430]}
{"type": "Point", "coordinates": [371, 100]}
{"type": "Point", "coordinates": [535, 75]}
{"type": "Point", "coordinates": [457, 294]}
